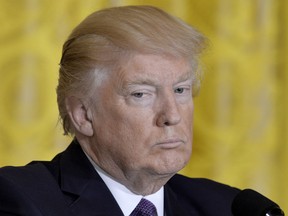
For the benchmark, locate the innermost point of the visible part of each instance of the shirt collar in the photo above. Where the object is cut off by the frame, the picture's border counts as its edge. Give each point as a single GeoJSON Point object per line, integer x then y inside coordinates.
{"type": "Point", "coordinates": [126, 199]}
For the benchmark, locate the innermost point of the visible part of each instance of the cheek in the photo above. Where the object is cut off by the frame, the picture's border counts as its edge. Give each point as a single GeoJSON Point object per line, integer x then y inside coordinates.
{"type": "Point", "coordinates": [124, 129]}
{"type": "Point", "coordinates": [187, 125]}
{"type": "Point", "coordinates": [134, 130]}
{"type": "Point", "coordinates": [187, 116]}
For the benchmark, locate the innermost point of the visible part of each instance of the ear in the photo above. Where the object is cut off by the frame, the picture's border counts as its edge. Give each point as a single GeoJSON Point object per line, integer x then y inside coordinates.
{"type": "Point", "coordinates": [80, 115]}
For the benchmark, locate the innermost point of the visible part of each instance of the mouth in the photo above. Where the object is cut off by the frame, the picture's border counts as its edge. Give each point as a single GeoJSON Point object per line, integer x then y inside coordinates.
{"type": "Point", "coordinates": [170, 143]}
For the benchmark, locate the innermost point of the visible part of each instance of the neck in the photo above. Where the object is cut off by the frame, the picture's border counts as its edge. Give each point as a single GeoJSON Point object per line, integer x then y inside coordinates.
{"type": "Point", "coordinates": [144, 185]}
{"type": "Point", "coordinates": [141, 182]}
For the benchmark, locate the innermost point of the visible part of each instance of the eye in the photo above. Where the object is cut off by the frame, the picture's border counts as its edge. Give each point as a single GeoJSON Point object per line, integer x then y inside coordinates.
{"type": "Point", "coordinates": [140, 98]}
{"type": "Point", "coordinates": [138, 94]}
{"type": "Point", "coordinates": [179, 90]}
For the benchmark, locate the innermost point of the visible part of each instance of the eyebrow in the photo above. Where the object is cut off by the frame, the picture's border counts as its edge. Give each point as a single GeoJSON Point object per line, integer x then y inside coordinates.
{"type": "Point", "coordinates": [148, 81]}
{"type": "Point", "coordinates": [142, 81]}
{"type": "Point", "coordinates": [185, 77]}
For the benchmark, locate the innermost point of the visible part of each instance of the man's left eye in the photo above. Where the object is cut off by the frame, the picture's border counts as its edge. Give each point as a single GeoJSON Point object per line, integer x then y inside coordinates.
{"type": "Point", "coordinates": [138, 94]}
{"type": "Point", "coordinates": [179, 90]}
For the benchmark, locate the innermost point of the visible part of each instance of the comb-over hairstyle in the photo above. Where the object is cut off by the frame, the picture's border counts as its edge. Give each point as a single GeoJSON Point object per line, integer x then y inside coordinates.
{"type": "Point", "coordinates": [100, 43]}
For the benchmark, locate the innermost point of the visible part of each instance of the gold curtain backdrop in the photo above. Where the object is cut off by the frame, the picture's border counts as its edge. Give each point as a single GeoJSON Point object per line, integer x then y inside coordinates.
{"type": "Point", "coordinates": [241, 114]}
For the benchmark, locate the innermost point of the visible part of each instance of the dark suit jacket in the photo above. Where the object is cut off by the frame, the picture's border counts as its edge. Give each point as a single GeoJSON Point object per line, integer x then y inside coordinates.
{"type": "Point", "coordinates": [69, 185]}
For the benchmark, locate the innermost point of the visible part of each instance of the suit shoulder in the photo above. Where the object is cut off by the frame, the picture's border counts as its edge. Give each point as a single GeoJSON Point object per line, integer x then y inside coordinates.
{"type": "Point", "coordinates": [14, 199]}
{"type": "Point", "coordinates": [185, 182]}
{"type": "Point", "coordinates": [25, 178]}
{"type": "Point", "coordinates": [206, 195]}
{"type": "Point", "coordinates": [18, 173]}
{"type": "Point", "coordinates": [29, 190]}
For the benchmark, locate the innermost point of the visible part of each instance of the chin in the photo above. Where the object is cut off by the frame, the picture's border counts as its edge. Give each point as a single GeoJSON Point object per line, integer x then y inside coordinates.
{"type": "Point", "coordinates": [171, 167]}
{"type": "Point", "coordinates": [168, 162]}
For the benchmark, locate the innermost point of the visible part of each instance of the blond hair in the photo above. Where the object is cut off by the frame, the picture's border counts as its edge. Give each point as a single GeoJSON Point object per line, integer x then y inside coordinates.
{"type": "Point", "coordinates": [97, 45]}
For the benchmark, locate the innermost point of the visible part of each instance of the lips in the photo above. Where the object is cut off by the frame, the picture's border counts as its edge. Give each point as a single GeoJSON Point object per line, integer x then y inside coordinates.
{"type": "Point", "coordinates": [170, 143]}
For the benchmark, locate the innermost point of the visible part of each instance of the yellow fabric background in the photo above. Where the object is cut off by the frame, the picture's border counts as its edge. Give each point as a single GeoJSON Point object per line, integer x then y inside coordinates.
{"type": "Point", "coordinates": [241, 119]}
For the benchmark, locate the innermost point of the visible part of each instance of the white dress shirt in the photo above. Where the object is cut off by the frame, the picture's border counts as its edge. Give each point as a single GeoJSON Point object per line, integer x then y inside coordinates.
{"type": "Point", "coordinates": [127, 200]}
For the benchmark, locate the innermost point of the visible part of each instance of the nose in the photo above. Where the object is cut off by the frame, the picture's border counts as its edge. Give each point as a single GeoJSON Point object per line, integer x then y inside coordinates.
{"type": "Point", "coordinates": [168, 114]}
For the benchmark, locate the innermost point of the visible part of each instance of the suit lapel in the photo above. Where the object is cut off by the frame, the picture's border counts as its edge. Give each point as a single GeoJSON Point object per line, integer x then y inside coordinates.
{"type": "Point", "coordinates": [87, 195]}
{"type": "Point", "coordinates": [175, 206]}
{"type": "Point", "coordinates": [171, 203]}
{"type": "Point", "coordinates": [85, 191]}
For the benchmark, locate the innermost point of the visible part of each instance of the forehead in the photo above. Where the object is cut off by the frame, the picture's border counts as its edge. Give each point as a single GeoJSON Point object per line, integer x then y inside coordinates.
{"type": "Point", "coordinates": [154, 68]}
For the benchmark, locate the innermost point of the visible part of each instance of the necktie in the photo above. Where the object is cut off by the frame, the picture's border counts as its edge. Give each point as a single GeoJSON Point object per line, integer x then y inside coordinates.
{"type": "Point", "coordinates": [144, 208]}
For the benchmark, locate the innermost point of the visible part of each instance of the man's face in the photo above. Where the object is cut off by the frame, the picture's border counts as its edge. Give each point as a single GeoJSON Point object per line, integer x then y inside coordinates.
{"type": "Point", "coordinates": [143, 116]}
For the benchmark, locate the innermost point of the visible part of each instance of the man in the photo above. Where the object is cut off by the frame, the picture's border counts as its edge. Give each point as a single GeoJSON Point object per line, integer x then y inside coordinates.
{"type": "Point", "coordinates": [126, 85]}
